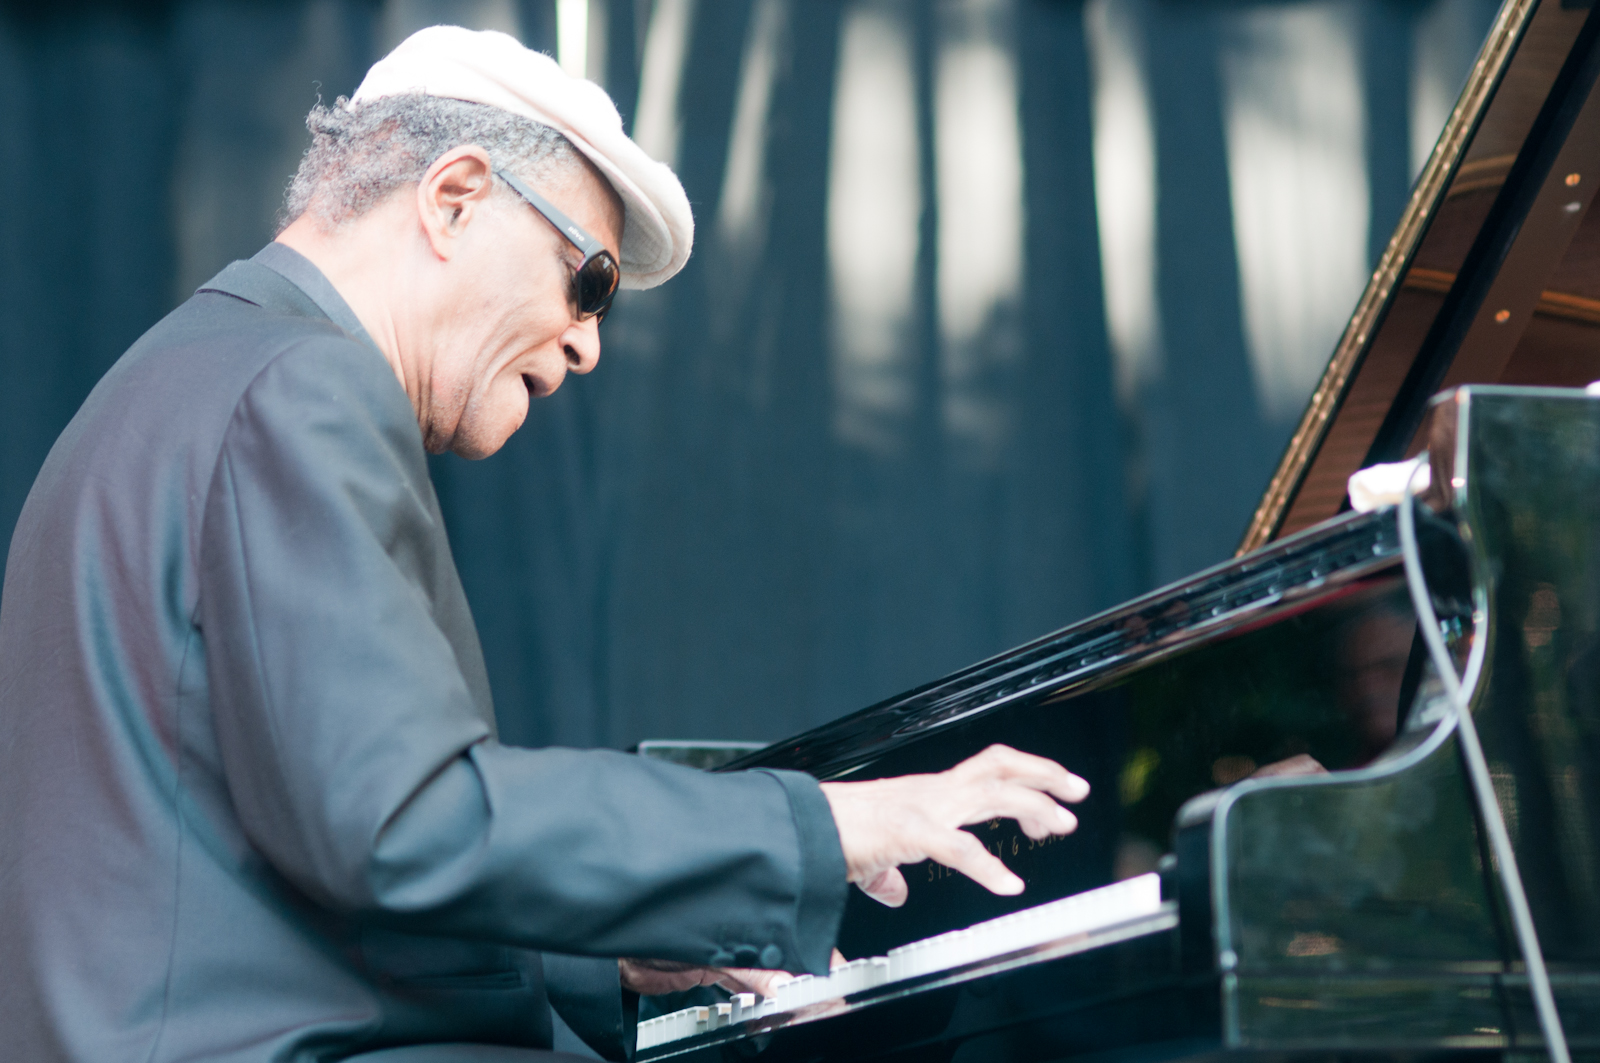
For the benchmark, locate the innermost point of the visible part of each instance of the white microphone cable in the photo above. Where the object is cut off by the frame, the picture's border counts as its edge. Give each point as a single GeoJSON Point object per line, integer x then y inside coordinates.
{"type": "Point", "coordinates": [1544, 1000]}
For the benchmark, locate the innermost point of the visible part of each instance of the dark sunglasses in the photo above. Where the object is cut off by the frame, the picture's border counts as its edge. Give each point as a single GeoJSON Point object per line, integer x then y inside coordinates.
{"type": "Point", "coordinates": [595, 280]}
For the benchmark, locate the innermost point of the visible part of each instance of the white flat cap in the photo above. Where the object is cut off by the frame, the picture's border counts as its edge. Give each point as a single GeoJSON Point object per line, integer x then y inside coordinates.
{"type": "Point", "coordinates": [495, 69]}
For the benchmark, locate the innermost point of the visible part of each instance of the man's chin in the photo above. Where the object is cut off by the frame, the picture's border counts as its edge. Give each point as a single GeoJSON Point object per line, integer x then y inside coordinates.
{"type": "Point", "coordinates": [473, 450]}
{"type": "Point", "coordinates": [479, 432]}
{"type": "Point", "coordinates": [474, 446]}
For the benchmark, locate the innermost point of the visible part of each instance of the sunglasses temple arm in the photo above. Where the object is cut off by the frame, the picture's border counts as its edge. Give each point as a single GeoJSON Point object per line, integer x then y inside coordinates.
{"type": "Point", "coordinates": [568, 228]}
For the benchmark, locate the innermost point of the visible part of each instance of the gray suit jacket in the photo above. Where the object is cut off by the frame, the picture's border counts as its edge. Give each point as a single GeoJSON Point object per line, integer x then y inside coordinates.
{"type": "Point", "coordinates": [252, 806]}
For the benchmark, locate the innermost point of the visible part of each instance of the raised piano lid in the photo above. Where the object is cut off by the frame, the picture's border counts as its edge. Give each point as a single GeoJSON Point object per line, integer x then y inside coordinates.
{"type": "Point", "coordinates": [1493, 275]}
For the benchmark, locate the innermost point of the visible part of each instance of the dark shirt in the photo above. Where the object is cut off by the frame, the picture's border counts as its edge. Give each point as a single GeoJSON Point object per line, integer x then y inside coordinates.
{"type": "Point", "coordinates": [252, 804]}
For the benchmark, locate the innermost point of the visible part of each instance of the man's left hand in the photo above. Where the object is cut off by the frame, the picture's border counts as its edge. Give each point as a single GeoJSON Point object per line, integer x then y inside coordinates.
{"type": "Point", "coordinates": [653, 978]}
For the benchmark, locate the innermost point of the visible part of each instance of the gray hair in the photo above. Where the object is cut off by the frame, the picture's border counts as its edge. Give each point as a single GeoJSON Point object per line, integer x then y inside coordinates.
{"type": "Point", "coordinates": [359, 155]}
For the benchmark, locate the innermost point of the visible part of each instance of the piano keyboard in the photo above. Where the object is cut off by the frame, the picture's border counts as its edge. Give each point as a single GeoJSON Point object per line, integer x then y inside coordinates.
{"type": "Point", "coordinates": [1081, 913]}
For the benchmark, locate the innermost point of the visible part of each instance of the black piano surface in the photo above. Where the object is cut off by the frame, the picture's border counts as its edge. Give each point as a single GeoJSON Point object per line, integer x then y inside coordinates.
{"type": "Point", "coordinates": [1355, 912]}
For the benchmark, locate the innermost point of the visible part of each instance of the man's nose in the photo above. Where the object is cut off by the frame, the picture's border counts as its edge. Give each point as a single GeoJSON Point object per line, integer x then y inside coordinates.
{"type": "Point", "coordinates": [581, 344]}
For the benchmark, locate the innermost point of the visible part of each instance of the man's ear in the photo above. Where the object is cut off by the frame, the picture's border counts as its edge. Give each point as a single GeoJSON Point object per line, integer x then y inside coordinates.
{"type": "Point", "coordinates": [451, 194]}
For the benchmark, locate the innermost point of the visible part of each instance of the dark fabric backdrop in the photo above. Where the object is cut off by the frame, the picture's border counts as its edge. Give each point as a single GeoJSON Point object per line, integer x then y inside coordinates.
{"type": "Point", "coordinates": [681, 544]}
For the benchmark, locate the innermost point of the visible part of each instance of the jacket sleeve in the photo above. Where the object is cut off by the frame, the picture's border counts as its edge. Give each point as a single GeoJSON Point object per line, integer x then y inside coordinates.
{"type": "Point", "coordinates": [367, 773]}
{"type": "Point", "coordinates": [587, 993]}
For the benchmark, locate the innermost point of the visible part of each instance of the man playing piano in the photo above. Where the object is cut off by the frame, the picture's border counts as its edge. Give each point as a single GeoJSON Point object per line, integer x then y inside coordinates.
{"type": "Point", "coordinates": [252, 806]}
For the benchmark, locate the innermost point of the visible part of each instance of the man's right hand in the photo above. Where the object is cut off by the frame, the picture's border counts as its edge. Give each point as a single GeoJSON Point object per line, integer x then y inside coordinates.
{"type": "Point", "coordinates": [884, 823]}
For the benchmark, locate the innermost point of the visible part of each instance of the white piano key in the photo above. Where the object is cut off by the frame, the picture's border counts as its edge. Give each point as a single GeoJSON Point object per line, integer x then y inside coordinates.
{"type": "Point", "coordinates": [832, 984]}
{"type": "Point", "coordinates": [796, 993]}
{"type": "Point", "coordinates": [744, 1007]}
{"type": "Point", "coordinates": [701, 1018]}
{"type": "Point", "coordinates": [777, 991]}
{"type": "Point", "coordinates": [843, 979]}
{"type": "Point", "coordinates": [851, 978]}
{"type": "Point", "coordinates": [866, 973]}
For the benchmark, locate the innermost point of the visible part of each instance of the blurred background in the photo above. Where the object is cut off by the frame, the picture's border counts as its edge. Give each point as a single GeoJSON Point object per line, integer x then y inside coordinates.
{"type": "Point", "coordinates": [1001, 311]}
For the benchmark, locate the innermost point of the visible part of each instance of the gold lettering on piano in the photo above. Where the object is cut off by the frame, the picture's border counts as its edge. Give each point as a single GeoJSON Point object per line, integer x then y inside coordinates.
{"type": "Point", "coordinates": [1012, 843]}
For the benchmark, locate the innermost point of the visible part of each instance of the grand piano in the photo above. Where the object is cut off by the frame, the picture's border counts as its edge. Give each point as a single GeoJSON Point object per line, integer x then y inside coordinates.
{"type": "Point", "coordinates": [1211, 904]}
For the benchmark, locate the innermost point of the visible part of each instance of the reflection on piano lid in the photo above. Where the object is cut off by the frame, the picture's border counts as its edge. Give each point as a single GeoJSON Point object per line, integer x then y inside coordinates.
{"type": "Point", "coordinates": [1351, 912]}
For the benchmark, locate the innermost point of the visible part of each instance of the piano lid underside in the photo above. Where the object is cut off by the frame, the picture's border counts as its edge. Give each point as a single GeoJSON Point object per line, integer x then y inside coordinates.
{"type": "Point", "coordinates": [1492, 277]}
{"type": "Point", "coordinates": [1559, 346]}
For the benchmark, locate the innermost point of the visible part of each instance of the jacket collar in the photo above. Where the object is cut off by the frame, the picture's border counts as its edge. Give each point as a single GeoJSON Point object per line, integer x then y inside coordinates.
{"type": "Point", "coordinates": [281, 279]}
